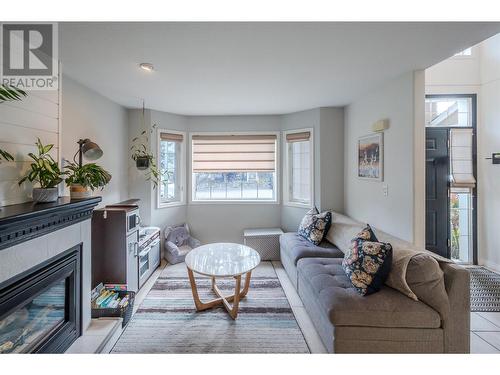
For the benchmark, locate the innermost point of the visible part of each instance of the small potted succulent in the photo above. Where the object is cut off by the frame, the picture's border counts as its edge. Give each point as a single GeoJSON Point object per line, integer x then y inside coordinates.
{"type": "Point", "coordinates": [83, 180]}
{"type": "Point", "coordinates": [45, 173]}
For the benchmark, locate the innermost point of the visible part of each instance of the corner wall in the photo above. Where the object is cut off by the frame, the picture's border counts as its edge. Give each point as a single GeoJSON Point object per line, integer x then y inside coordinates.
{"type": "Point", "coordinates": [87, 114]}
{"type": "Point", "coordinates": [364, 200]}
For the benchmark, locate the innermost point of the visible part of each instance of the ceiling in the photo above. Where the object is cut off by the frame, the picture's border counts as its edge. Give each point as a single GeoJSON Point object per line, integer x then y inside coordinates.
{"type": "Point", "coordinates": [253, 68]}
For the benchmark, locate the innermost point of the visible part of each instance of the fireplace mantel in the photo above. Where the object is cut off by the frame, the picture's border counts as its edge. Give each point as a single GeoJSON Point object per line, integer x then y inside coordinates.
{"type": "Point", "coordinates": [23, 222]}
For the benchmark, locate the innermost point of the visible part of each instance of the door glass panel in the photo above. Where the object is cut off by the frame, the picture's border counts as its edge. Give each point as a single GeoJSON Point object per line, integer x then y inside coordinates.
{"type": "Point", "coordinates": [461, 224]}
{"type": "Point", "coordinates": [448, 112]}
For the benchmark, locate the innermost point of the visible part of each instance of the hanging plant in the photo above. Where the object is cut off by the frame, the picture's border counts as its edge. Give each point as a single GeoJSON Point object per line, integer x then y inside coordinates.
{"type": "Point", "coordinates": [142, 155]}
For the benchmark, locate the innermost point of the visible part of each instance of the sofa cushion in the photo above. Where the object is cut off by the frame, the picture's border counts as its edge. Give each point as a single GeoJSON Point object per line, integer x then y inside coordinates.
{"type": "Point", "coordinates": [368, 262]}
{"type": "Point", "coordinates": [315, 225]}
{"type": "Point", "coordinates": [325, 279]}
{"type": "Point", "coordinates": [297, 247]}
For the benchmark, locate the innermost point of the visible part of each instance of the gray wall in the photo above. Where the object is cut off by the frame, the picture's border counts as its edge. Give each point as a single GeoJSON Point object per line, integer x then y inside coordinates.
{"type": "Point", "coordinates": [364, 200]}
{"type": "Point", "coordinates": [328, 126]}
{"type": "Point", "coordinates": [87, 114]}
{"type": "Point", "coordinates": [226, 221]}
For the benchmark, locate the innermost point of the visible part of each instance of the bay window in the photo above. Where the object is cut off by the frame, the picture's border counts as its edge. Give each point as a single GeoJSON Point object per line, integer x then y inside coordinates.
{"type": "Point", "coordinates": [299, 169]}
{"type": "Point", "coordinates": [171, 166]}
{"type": "Point", "coordinates": [234, 167]}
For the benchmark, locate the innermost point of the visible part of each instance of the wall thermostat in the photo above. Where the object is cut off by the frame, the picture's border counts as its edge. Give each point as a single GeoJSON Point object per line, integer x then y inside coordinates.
{"type": "Point", "coordinates": [495, 158]}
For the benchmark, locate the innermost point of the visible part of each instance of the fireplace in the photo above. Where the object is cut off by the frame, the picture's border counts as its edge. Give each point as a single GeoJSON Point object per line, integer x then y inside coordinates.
{"type": "Point", "coordinates": [40, 309]}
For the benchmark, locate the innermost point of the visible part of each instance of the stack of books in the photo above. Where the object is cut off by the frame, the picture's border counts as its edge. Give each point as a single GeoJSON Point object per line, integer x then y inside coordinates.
{"type": "Point", "coordinates": [110, 296]}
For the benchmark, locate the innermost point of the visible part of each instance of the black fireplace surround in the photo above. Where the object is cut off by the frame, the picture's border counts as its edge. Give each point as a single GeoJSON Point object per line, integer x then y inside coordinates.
{"type": "Point", "coordinates": [40, 309]}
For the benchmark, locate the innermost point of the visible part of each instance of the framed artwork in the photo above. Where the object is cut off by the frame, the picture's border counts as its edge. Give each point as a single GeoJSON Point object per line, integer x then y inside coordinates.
{"type": "Point", "coordinates": [371, 157]}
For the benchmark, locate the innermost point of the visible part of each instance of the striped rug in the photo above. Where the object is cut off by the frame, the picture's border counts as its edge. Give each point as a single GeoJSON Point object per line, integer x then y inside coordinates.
{"type": "Point", "coordinates": [167, 322]}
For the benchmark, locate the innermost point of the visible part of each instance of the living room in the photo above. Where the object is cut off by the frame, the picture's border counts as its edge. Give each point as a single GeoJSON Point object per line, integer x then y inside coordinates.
{"type": "Point", "coordinates": [248, 187]}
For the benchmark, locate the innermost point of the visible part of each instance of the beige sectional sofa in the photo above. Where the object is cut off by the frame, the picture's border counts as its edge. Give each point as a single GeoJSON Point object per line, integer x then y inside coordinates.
{"type": "Point", "coordinates": [423, 308]}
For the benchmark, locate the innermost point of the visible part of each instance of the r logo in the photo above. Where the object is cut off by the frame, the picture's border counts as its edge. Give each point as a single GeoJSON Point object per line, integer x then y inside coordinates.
{"type": "Point", "coordinates": [28, 50]}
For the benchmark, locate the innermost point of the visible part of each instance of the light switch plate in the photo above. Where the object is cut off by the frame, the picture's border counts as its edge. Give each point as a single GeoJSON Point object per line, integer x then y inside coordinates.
{"type": "Point", "coordinates": [385, 190]}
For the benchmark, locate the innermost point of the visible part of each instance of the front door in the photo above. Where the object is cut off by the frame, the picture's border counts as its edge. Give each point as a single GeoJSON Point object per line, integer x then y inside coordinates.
{"type": "Point", "coordinates": [437, 185]}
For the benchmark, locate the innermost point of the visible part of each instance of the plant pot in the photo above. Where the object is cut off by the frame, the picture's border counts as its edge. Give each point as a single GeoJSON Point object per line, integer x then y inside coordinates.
{"type": "Point", "coordinates": [45, 195]}
{"type": "Point", "coordinates": [77, 191]}
{"type": "Point", "coordinates": [142, 163]}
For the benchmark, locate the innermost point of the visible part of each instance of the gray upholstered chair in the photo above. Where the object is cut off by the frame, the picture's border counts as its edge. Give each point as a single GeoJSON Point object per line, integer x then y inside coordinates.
{"type": "Point", "coordinates": [178, 242]}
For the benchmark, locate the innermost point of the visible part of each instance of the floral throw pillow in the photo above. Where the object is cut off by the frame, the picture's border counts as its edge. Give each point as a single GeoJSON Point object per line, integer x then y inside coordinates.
{"type": "Point", "coordinates": [368, 262]}
{"type": "Point", "coordinates": [315, 225]}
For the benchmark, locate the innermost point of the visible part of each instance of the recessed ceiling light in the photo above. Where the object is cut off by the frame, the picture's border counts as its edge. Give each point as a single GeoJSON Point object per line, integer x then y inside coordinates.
{"type": "Point", "coordinates": [147, 67]}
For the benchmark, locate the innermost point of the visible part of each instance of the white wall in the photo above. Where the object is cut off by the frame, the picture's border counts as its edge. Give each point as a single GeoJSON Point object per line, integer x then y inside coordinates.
{"type": "Point", "coordinates": [87, 114]}
{"type": "Point", "coordinates": [479, 74]}
{"type": "Point", "coordinates": [21, 123]}
{"type": "Point", "coordinates": [364, 200]}
{"type": "Point", "coordinates": [489, 142]}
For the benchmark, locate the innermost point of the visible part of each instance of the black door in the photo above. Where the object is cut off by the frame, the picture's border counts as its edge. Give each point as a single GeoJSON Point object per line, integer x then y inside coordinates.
{"type": "Point", "coordinates": [436, 195]}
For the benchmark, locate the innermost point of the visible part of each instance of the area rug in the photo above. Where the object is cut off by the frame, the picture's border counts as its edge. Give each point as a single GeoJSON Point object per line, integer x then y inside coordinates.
{"type": "Point", "coordinates": [484, 289]}
{"type": "Point", "coordinates": [167, 322]}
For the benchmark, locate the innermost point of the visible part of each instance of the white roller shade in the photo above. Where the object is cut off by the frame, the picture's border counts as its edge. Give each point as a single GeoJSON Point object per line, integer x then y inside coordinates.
{"type": "Point", "coordinates": [234, 153]}
{"type": "Point", "coordinates": [462, 173]}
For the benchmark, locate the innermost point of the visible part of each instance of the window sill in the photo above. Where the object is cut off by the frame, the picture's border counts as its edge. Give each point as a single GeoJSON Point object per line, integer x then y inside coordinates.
{"type": "Point", "coordinates": [170, 204]}
{"type": "Point", "coordinates": [234, 202]}
{"type": "Point", "coordinates": [299, 205]}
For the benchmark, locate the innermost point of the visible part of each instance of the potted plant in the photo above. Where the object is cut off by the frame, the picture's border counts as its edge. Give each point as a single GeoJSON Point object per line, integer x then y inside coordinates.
{"type": "Point", "coordinates": [10, 93]}
{"type": "Point", "coordinates": [82, 181]}
{"type": "Point", "coordinates": [144, 159]}
{"type": "Point", "coordinates": [45, 173]}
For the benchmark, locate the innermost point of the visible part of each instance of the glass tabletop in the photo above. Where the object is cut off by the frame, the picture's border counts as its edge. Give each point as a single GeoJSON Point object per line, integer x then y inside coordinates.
{"type": "Point", "coordinates": [222, 259]}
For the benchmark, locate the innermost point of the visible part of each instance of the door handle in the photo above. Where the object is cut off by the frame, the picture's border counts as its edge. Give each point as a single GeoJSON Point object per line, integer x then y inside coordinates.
{"type": "Point", "coordinates": [136, 249]}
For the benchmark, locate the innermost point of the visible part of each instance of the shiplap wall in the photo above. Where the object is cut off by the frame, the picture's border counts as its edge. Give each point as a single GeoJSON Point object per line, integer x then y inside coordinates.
{"type": "Point", "coordinates": [21, 122]}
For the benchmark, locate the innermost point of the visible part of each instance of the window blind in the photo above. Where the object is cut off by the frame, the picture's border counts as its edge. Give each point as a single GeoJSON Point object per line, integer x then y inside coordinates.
{"type": "Point", "coordinates": [172, 137]}
{"type": "Point", "coordinates": [234, 153]}
{"type": "Point", "coordinates": [298, 137]}
{"type": "Point", "coordinates": [462, 174]}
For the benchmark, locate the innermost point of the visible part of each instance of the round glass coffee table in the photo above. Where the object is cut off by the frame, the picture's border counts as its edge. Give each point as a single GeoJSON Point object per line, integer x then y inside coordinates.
{"type": "Point", "coordinates": [222, 260]}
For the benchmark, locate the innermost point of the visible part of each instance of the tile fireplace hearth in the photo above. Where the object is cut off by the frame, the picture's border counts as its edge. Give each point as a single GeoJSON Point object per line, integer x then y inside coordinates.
{"type": "Point", "coordinates": [45, 270]}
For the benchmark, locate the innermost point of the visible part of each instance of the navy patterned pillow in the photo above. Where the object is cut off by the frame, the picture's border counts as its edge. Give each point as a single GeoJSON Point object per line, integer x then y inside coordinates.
{"type": "Point", "coordinates": [368, 262]}
{"type": "Point", "coordinates": [315, 225]}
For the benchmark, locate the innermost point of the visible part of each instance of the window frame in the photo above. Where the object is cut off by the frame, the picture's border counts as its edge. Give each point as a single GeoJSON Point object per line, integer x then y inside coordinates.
{"type": "Point", "coordinates": [182, 169]}
{"type": "Point", "coordinates": [287, 180]}
{"type": "Point", "coordinates": [275, 201]}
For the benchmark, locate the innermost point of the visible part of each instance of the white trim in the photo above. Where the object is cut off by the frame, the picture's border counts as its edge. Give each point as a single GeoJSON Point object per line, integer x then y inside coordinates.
{"type": "Point", "coordinates": [182, 165]}
{"type": "Point", "coordinates": [276, 199]}
{"type": "Point", "coordinates": [286, 170]}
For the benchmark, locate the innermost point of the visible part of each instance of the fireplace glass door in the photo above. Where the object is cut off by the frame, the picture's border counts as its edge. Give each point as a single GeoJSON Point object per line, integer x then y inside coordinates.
{"type": "Point", "coordinates": [40, 310]}
{"type": "Point", "coordinates": [25, 328]}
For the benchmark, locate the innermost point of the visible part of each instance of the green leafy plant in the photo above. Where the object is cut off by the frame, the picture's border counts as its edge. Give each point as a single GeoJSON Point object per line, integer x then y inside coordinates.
{"type": "Point", "coordinates": [140, 150]}
{"type": "Point", "coordinates": [90, 175]}
{"type": "Point", "coordinates": [5, 156]}
{"type": "Point", "coordinates": [44, 170]}
{"type": "Point", "coordinates": [10, 93]}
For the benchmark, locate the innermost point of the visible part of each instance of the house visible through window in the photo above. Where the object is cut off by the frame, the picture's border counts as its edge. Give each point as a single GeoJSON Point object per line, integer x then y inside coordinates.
{"type": "Point", "coordinates": [234, 167]}
{"type": "Point", "coordinates": [170, 159]}
{"type": "Point", "coordinates": [299, 173]}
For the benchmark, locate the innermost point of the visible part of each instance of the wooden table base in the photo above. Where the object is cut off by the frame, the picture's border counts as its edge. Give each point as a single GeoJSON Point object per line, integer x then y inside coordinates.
{"type": "Point", "coordinates": [222, 300]}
